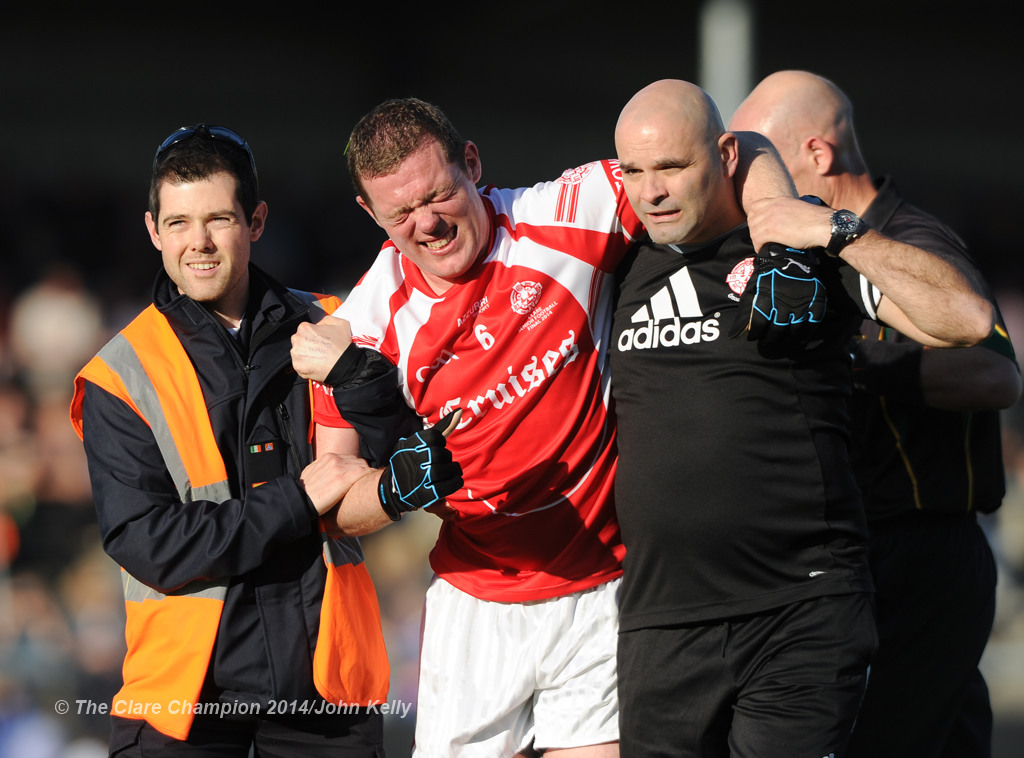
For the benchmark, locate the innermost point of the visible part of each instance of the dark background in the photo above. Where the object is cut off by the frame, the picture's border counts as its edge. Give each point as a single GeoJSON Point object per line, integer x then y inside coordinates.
{"type": "Point", "coordinates": [86, 94]}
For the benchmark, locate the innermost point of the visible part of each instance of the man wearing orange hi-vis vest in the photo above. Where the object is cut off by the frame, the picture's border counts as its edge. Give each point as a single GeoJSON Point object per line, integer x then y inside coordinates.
{"type": "Point", "coordinates": [251, 619]}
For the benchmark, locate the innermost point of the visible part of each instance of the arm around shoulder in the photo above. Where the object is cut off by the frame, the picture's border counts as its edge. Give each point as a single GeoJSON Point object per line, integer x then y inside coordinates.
{"type": "Point", "coordinates": [930, 298]}
{"type": "Point", "coordinates": [760, 172]}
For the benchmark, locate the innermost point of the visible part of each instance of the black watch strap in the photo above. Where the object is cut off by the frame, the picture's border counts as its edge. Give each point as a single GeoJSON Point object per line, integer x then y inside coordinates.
{"type": "Point", "coordinates": [846, 227]}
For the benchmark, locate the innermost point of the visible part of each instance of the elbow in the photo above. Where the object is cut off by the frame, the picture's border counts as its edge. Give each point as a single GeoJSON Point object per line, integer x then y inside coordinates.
{"type": "Point", "coordinates": [975, 325]}
{"type": "Point", "coordinates": [985, 322]}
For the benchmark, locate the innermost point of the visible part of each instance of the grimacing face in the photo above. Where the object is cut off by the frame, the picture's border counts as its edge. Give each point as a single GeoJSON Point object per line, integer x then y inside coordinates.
{"type": "Point", "coordinates": [204, 240]}
{"type": "Point", "coordinates": [674, 180]}
{"type": "Point", "coordinates": [432, 212]}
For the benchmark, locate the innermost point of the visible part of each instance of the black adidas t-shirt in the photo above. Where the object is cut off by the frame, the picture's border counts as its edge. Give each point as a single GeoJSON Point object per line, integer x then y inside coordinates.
{"type": "Point", "coordinates": [734, 489]}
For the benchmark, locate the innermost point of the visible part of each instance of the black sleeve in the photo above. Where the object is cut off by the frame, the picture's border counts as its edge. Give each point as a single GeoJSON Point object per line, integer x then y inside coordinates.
{"type": "Point", "coordinates": [855, 291]}
{"type": "Point", "coordinates": [368, 396]}
{"type": "Point", "coordinates": [161, 541]}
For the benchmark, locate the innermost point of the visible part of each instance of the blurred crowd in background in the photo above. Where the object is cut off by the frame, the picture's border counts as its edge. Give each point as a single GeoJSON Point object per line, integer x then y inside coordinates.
{"type": "Point", "coordinates": [71, 274]}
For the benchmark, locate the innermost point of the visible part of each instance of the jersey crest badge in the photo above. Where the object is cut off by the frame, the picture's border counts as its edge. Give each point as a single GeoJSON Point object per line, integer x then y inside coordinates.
{"type": "Point", "coordinates": [575, 175]}
{"type": "Point", "coordinates": [525, 296]}
{"type": "Point", "coordinates": [737, 279]}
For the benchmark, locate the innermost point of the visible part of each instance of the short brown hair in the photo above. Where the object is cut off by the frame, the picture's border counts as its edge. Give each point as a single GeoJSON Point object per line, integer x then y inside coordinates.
{"type": "Point", "coordinates": [392, 132]}
{"type": "Point", "coordinates": [199, 157]}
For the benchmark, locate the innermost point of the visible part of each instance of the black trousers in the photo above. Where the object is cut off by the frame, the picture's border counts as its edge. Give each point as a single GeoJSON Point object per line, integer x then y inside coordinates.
{"type": "Point", "coordinates": [935, 581]}
{"type": "Point", "coordinates": [344, 736]}
{"type": "Point", "coordinates": [784, 684]}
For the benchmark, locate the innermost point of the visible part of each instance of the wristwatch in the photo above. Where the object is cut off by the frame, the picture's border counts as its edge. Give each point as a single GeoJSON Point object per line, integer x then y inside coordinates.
{"type": "Point", "coordinates": [846, 227]}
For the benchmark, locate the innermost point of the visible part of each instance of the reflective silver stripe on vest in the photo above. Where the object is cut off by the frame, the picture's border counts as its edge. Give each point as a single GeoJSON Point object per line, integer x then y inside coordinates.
{"type": "Point", "coordinates": [120, 355]}
{"type": "Point", "coordinates": [338, 552]}
{"type": "Point", "coordinates": [135, 591]}
{"type": "Point", "coordinates": [122, 358]}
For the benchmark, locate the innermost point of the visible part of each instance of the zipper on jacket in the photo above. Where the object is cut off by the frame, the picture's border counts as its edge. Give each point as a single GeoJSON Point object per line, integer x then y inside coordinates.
{"type": "Point", "coordinates": [285, 417]}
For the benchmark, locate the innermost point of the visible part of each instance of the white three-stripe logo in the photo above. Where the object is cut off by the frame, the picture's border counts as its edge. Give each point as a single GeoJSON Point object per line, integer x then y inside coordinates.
{"type": "Point", "coordinates": [661, 302]}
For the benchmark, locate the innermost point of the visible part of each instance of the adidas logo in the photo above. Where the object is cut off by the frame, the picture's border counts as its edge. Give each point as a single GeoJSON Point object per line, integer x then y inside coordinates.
{"type": "Point", "coordinates": [663, 323]}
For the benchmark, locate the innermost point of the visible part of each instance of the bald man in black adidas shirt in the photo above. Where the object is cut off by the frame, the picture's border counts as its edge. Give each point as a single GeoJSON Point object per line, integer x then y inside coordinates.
{"type": "Point", "coordinates": [745, 615]}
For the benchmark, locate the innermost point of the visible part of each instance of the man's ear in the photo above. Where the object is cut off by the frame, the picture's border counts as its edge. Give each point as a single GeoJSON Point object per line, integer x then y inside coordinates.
{"type": "Point", "coordinates": [153, 236]}
{"type": "Point", "coordinates": [820, 153]}
{"type": "Point", "coordinates": [729, 151]}
{"type": "Point", "coordinates": [474, 167]}
{"type": "Point", "coordinates": [259, 221]}
{"type": "Point", "coordinates": [366, 207]}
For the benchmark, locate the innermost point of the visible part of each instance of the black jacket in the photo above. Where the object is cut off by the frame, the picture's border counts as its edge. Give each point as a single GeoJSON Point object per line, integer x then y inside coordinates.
{"type": "Point", "coordinates": [265, 539]}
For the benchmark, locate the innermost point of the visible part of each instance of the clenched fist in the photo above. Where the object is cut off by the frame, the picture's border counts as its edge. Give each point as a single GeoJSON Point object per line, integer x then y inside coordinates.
{"type": "Point", "coordinates": [317, 347]}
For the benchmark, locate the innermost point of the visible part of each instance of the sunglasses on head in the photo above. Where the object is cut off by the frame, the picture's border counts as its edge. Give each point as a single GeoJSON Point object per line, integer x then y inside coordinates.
{"type": "Point", "coordinates": [214, 132]}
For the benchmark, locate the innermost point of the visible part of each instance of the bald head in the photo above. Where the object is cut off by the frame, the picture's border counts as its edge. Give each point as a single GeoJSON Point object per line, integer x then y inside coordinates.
{"type": "Point", "coordinates": [792, 107]}
{"type": "Point", "coordinates": [670, 104]}
{"type": "Point", "coordinates": [677, 163]}
{"type": "Point", "coordinates": [787, 105]}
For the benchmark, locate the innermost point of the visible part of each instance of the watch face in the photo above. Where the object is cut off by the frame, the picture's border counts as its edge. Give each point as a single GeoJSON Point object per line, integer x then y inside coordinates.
{"type": "Point", "coordinates": [845, 222]}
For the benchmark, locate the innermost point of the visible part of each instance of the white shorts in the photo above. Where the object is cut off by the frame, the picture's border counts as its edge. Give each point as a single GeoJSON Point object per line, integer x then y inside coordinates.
{"type": "Point", "coordinates": [496, 678]}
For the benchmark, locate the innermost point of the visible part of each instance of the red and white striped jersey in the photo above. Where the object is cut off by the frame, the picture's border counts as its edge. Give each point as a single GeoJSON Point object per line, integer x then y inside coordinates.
{"type": "Point", "coordinates": [521, 348]}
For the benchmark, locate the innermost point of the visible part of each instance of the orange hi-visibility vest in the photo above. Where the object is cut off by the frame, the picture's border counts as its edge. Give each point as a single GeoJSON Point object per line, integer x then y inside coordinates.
{"type": "Point", "coordinates": [171, 636]}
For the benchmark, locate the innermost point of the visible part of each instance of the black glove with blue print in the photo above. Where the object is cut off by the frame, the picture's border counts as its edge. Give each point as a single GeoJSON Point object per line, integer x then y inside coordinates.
{"type": "Point", "coordinates": [421, 471]}
{"type": "Point", "coordinates": [784, 303]}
